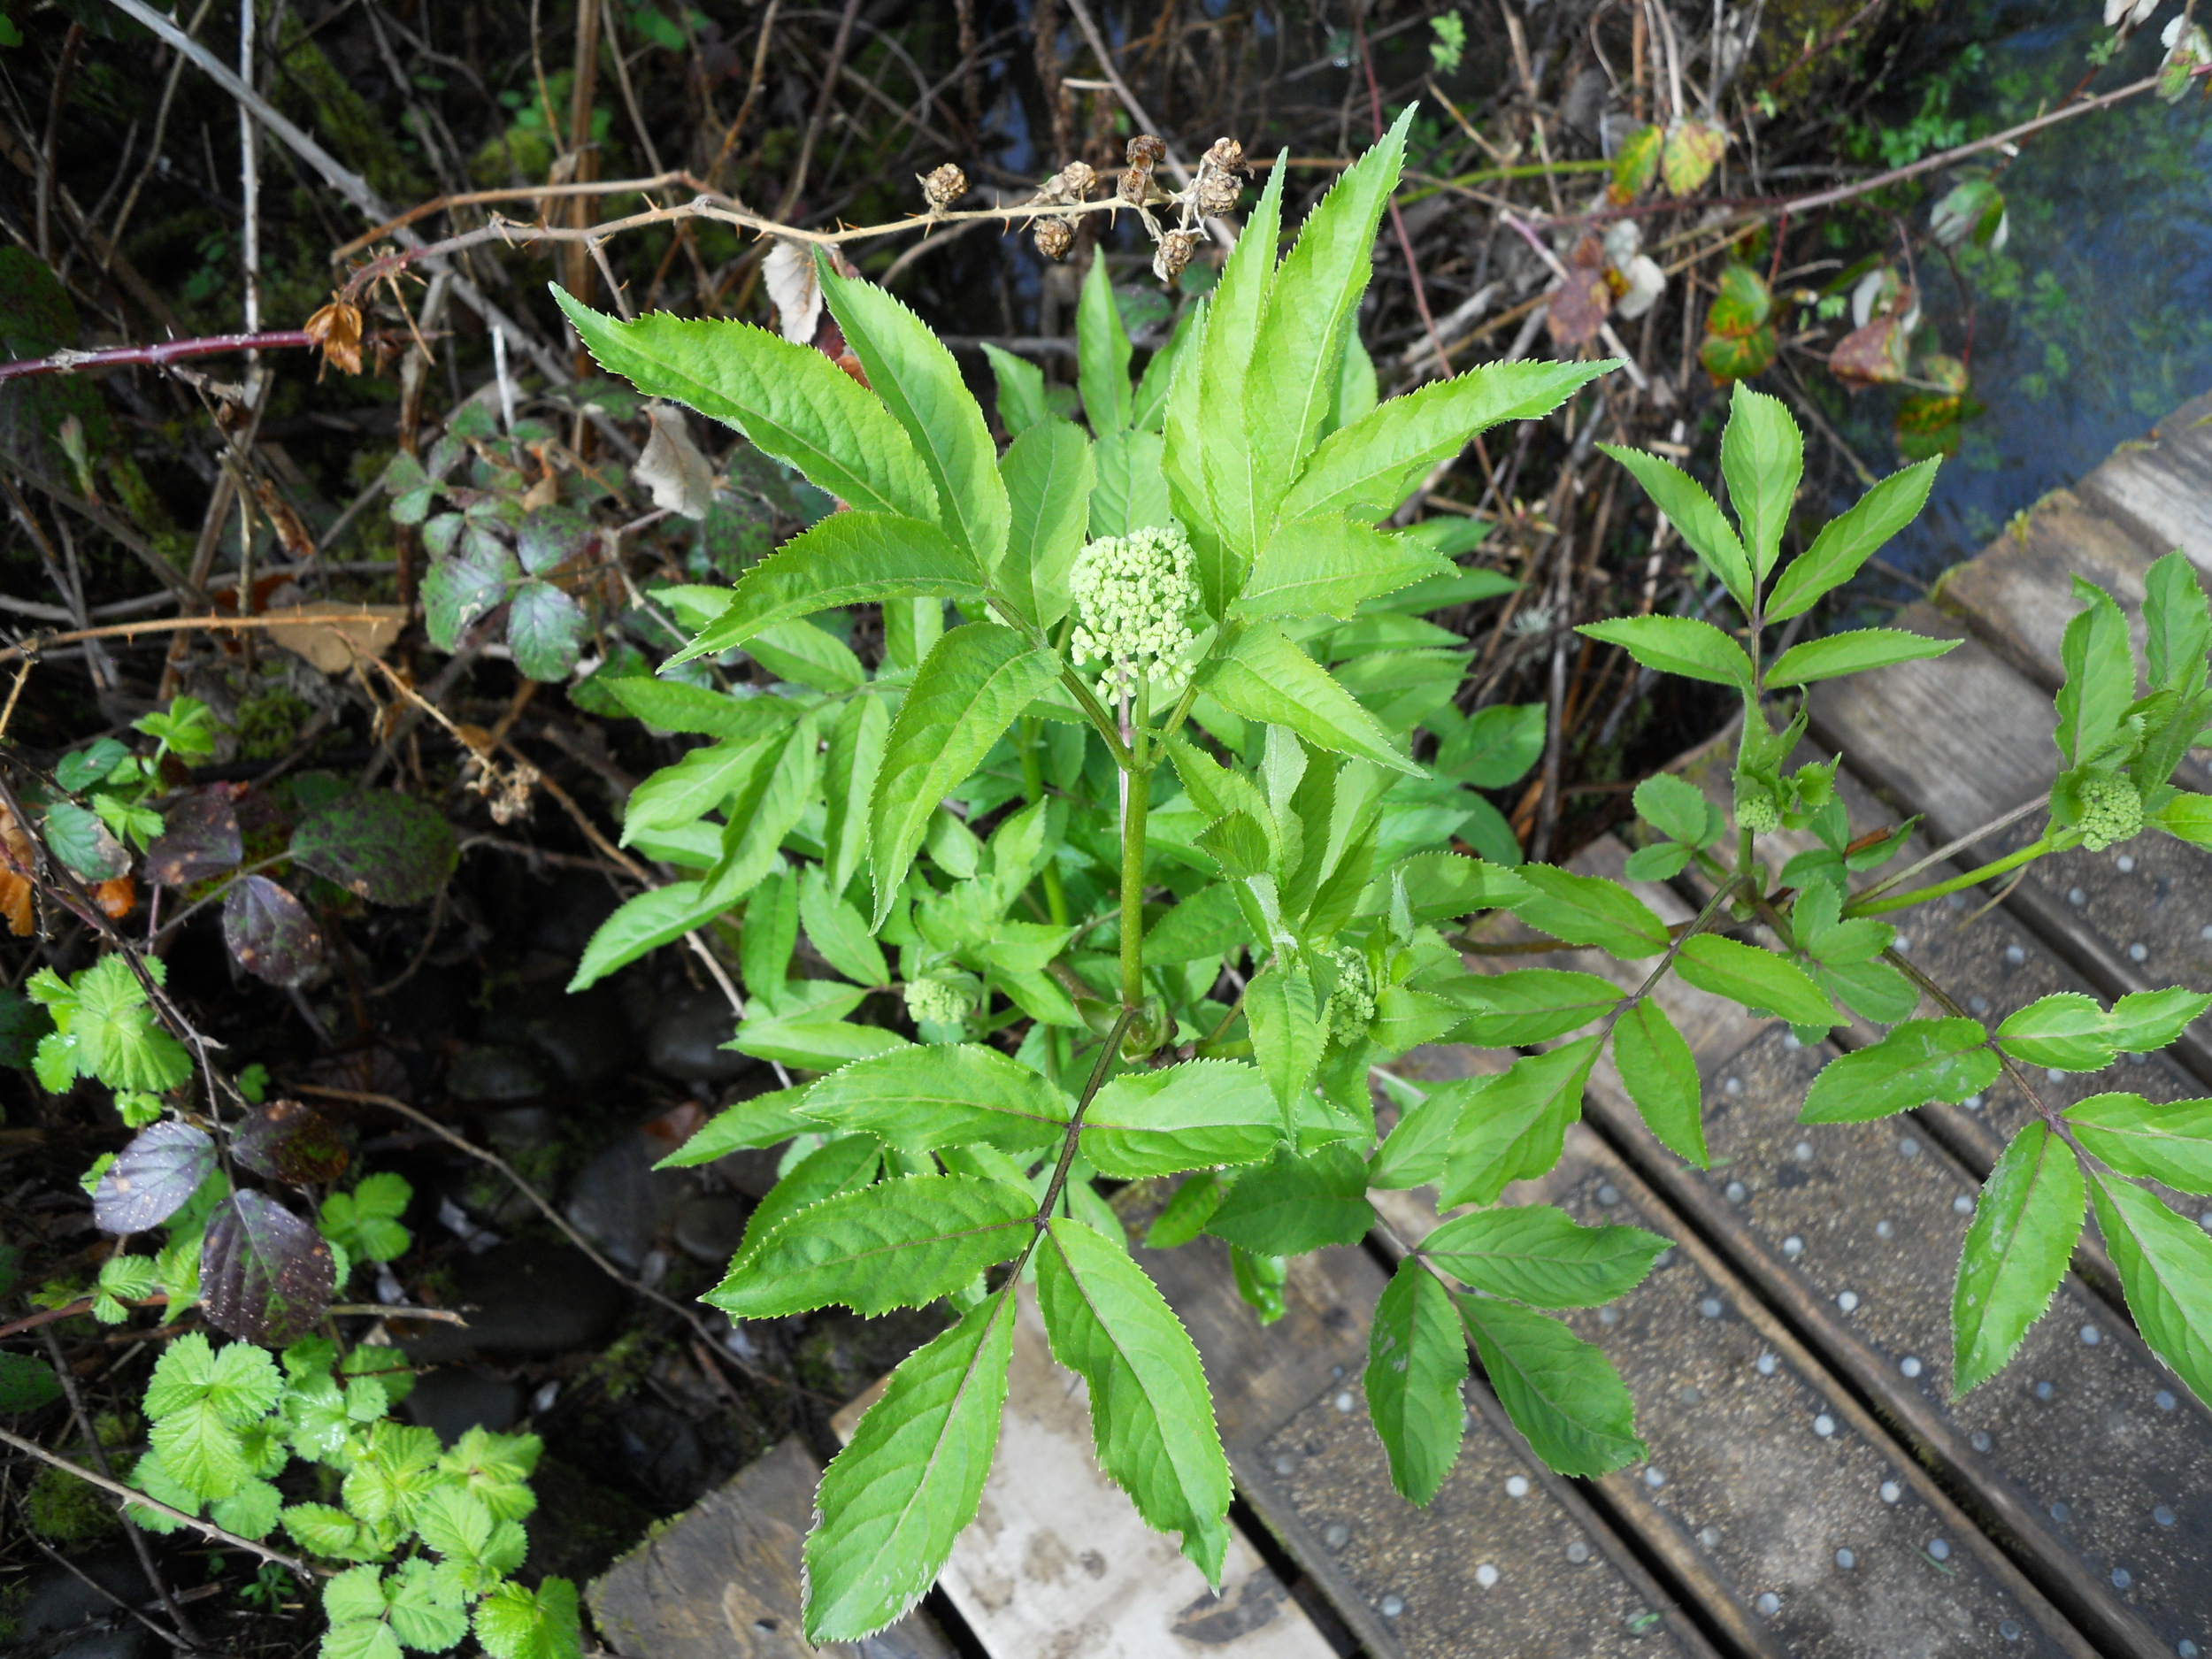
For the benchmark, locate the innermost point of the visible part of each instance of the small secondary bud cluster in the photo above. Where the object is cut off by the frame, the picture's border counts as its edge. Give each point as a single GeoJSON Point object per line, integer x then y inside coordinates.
{"type": "Point", "coordinates": [2111, 812]}
{"type": "Point", "coordinates": [944, 1002]}
{"type": "Point", "coordinates": [1352, 1004]}
{"type": "Point", "coordinates": [1133, 596]}
{"type": "Point", "coordinates": [1756, 808]}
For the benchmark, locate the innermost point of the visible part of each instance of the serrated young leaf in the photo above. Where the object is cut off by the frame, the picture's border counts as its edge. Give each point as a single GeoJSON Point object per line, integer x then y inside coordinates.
{"type": "Point", "coordinates": [251, 1511]}
{"type": "Point", "coordinates": [892, 1502]}
{"type": "Point", "coordinates": [1695, 518]}
{"type": "Point", "coordinates": [1586, 910]}
{"type": "Point", "coordinates": [1288, 1036]}
{"type": "Point", "coordinates": [813, 1042]}
{"type": "Point", "coordinates": [2169, 1142]}
{"type": "Point", "coordinates": [2099, 674]}
{"type": "Point", "coordinates": [1921, 1060]}
{"type": "Point", "coordinates": [913, 372]}
{"type": "Point", "coordinates": [1192, 1116]}
{"type": "Point", "coordinates": [1129, 483]}
{"type": "Point", "coordinates": [1329, 566]}
{"type": "Point", "coordinates": [392, 1473]}
{"type": "Point", "coordinates": [1297, 1204]}
{"type": "Point", "coordinates": [1364, 469]}
{"type": "Point", "coordinates": [1021, 390]}
{"type": "Point", "coordinates": [1226, 462]}
{"type": "Point", "coordinates": [1416, 1365]}
{"type": "Point", "coordinates": [1542, 1255]}
{"type": "Point", "coordinates": [494, 1468]}
{"type": "Point", "coordinates": [1101, 353]}
{"type": "Point", "coordinates": [848, 777]}
{"type": "Point", "coordinates": [843, 1165]}
{"type": "Point", "coordinates": [2165, 1266]}
{"type": "Point", "coordinates": [2142, 1022]}
{"type": "Point", "coordinates": [702, 782]}
{"type": "Point", "coordinates": [1561, 1394]}
{"type": "Point", "coordinates": [1759, 980]}
{"type": "Point", "coordinates": [977, 680]}
{"type": "Point", "coordinates": [838, 932]}
{"type": "Point", "coordinates": [1660, 1074]}
{"type": "Point", "coordinates": [1686, 646]}
{"type": "Point", "coordinates": [1530, 1006]}
{"type": "Point", "coordinates": [1763, 457]}
{"type": "Point", "coordinates": [2016, 1248]}
{"type": "Point", "coordinates": [1209, 923]}
{"type": "Point", "coordinates": [428, 1607]}
{"type": "Point", "coordinates": [674, 706]}
{"type": "Point", "coordinates": [2177, 623]}
{"type": "Point", "coordinates": [513, 1623]}
{"type": "Point", "coordinates": [323, 1528]}
{"type": "Point", "coordinates": [1673, 806]}
{"type": "Point", "coordinates": [897, 1244]}
{"type": "Point", "coordinates": [1297, 349]}
{"type": "Point", "coordinates": [1853, 652]}
{"type": "Point", "coordinates": [2065, 1031]}
{"type": "Point", "coordinates": [800, 654]}
{"type": "Point", "coordinates": [1413, 1153]}
{"type": "Point", "coordinates": [943, 1094]}
{"type": "Point", "coordinates": [1049, 472]}
{"type": "Point", "coordinates": [1152, 1420]}
{"type": "Point", "coordinates": [1265, 677]}
{"type": "Point", "coordinates": [1848, 540]}
{"type": "Point", "coordinates": [790, 400]}
{"type": "Point", "coordinates": [1513, 1125]}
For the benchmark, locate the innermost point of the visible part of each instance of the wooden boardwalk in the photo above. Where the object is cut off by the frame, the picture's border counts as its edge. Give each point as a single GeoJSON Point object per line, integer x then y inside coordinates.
{"type": "Point", "coordinates": [1811, 1489]}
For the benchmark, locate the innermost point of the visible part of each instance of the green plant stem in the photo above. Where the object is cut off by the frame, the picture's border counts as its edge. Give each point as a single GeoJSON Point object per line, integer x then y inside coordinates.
{"type": "Point", "coordinates": [1136, 800]}
{"type": "Point", "coordinates": [1068, 1141]}
{"type": "Point", "coordinates": [1033, 790]}
{"type": "Point", "coordinates": [2033, 850]}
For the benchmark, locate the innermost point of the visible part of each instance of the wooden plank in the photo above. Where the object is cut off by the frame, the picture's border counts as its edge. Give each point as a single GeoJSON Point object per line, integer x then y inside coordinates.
{"type": "Point", "coordinates": [2075, 1476]}
{"type": "Point", "coordinates": [2161, 488]}
{"type": "Point", "coordinates": [1799, 1521]}
{"type": "Point", "coordinates": [723, 1581]}
{"type": "Point", "coordinates": [2017, 594]}
{"type": "Point", "coordinates": [1507, 1559]}
{"type": "Point", "coordinates": [1964, 739]}
{"type": "Point", "coordinates": [1057, 1561]}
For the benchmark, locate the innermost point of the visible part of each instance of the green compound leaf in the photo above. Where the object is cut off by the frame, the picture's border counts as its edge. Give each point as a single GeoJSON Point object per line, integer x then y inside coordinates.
{"type": "Point", "coordinates": [1851, 538]}
{"type": "Point", "coordinates": [790, 400]}
{"type": "Point", "coordinates": [1919, 1061]}
{"type": "Point", "coordinates": [1660, 1074]}
{"type": "Point", "coordinates": [1152, 1419]}
{"type": "Point", "coordinates": [1763, 457]}
{"type": "Point", "coordinates": [1365, 469]}
{"type": "Point", "coordinates": [844, 1165]}
{"type": "Point", "coordinates": [198, 1399]}
{"type": "Point", "coordinates": [2170, 1143]}
{"type": "Point", "coordinates": [1021, 390]}
{"type": "Point", "coordinates": [1561, 1391]}
{"type": "Point", "coordinates": [892, 1502]}
{"type": "Point", "coordinates": [914, 375]}
{"type": "Point", "coordinates": [2100, 675]}
{"type": "Point", "coordinates": [1188, 1117]}
{"type": "Point", "coordinates": [943, 1095]}
{"type": "Point", "coordinates": [2065, 1031]}
{"type": "Point", "coordinates": [2177, 623]}
{"type": "Point", "coordinates": [674, 706]}
{"type": "Point", "coordinates": [848, 558]}
{"type": "Point", "coordinates": [976, 680]}
{"type": "Point", "coordinates": [897, 1244]}
{"type": "Point", "coordinates": [1413, 1153]}
{"type": "Point", "coordinates": [2144, 1021]}
{"type": "Point", "coordinates": [1514, 1125]}
{"type": "Point", "coordinates": [1297, 1204]}
{"type": "Point", "coordinates": [1288, 1036]}
{"type": "Point", "coordinates": [1329, 567]}
{"type": "Point", "coordinates": [1048, 472]}
{"type": "Point", "coordinates": [1266, 678]}
{"type": "Point", "coordinates": [1586, 911]}
{"type": "Point", "coordinates": [1531, 1006]}
{"type": "Point", "coordinates": [513, 1623]}
{"type": "Point", "coordinates": [1416, 1365]}
{"type": "Point", "coordinates": [2165, 1265]}
{"type": "Point", "coordinates": [1852, 653]}
{"type": "Point", "coordinates": [2025, 1226]}
{"type": "Point", "coordinates": [703, 781]}
{"type": "Point", "coordinates": [1761, 981]}
{"type": "Point", "coordinates": [849, 779]}
{"type": "Point", "coordinates": [1101, 353]}
{"type": "Point", "coordinates": [1542, 1255]}
{"type": "Point", "coordinates": [1297, 350]}
{"type": "Point", "coordinates": [1678, 645]}
{"type": "Point", "coordinates": [1230, 466]}
{"type": "Point", "coordinates": [1694, 517]}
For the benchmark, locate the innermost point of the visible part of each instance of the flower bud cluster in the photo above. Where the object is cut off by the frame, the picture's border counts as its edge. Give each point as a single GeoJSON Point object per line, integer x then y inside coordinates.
{"type": "Point", "coordinates": [1756, 808]}
{"type": "Point", "coordinates": [945, 1002]}
{"type": "Point", "coordinates": [1352, 1004]}
{"type": "Point", "coordinates": [2111, 812]}
{"type": "Point", "coordinates": [1134, 595]}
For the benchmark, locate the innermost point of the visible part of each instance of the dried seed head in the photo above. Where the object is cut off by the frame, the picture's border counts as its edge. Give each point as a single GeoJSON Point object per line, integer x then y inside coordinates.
{"type": "Point", "coordinates": [1054, 238]}
{"type": "Point", "coordinates": [1146, 151]}
{"type": "Point", "coordinates": [1173, 253]}
{"type": "Point", "coordinates": [944, 187]}
{"type": "Point", "coordinates": [1134, 186]}
{"type": "Point", "coordinates": [1220, 177]}
{"type": "Point", "coordinates": [1076, 180]}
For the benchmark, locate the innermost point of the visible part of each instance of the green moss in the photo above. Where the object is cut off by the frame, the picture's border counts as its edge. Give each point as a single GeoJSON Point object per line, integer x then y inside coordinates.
{"type": "Point", "coordinates": [269, 723]}
{"type": "Point", "coordinates": [312, 92]}
{"type": "Point", "coordinates": [63, 1510]}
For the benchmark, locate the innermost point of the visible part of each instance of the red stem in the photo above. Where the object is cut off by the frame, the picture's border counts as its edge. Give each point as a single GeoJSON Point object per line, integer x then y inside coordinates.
{"type": "Point", "coordinates": [169, 351]}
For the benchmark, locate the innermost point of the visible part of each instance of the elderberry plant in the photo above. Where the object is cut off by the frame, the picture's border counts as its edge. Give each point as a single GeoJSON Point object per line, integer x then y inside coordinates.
{"type": "Point", "coordinates": [1165, 886]}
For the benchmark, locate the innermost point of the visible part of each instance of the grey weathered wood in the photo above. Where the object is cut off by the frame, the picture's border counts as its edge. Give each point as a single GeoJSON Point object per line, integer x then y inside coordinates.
{"type": "Point", "coordinates": [1059, 1562]}
{"type": "Point", "coordinates": [2117, 1438]}
{"type": "Point", "coordinates": [1743, 1498]}
{"type": "Point", "coordinates": [2161, 487]}
{"type": "Point", "coordinates": [1293, 1420]}
{"type": "Point", "coordinates": [722, 1582]}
